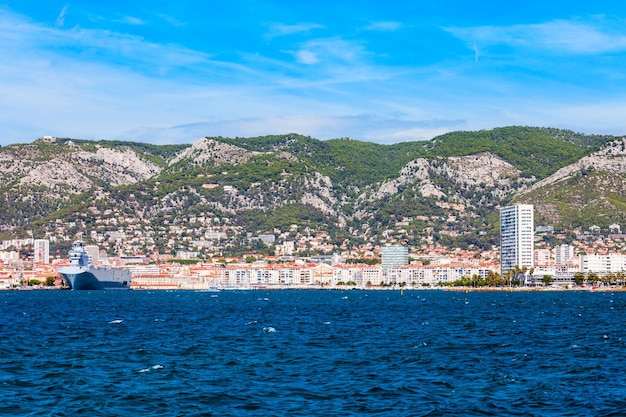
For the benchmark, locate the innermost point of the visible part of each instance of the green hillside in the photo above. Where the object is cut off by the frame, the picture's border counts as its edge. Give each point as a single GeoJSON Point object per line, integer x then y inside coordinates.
{"type": "Point", "coordinates": [535, 151]}
{"type": "Point", "coordinates": [331, 186]}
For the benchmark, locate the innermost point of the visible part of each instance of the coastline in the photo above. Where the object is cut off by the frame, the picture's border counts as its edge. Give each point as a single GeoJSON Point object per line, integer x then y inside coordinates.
{"type": "Point", "coordinates": [345, 288]}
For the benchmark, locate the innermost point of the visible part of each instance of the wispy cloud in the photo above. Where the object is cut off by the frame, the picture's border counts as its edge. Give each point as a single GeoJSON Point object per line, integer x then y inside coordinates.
{"type": "Point", "coordinates": [171, 20]}
{"type": "Point", "coordinates": [130, 20]}
{"type": "Point", "coordinates": [99, 83]}
{"type": "Point", "coordinates": [559, 36]}
{"type": "Point", "coordinates": [361, 126]}
{"type": "Point", "coordinates": [61, 18]}
{"type": "Point", "coordinates": [48, 42]}
{"type": "Point", "coordinates": [306, 57]}
{"type": "Point", "coordinates": [386, 26]}
{"type": "Point", "coordinates": [332, 51]}
{"type": "Point", "coordinates": [279, 29]}
{"type": "Point", "coordinates": [476, 52]}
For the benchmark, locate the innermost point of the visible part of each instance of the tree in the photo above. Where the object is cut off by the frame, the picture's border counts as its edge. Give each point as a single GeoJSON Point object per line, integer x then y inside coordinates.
{"type": "Point", "coordinates": [523, 272]}
{"type": "Point", "coordinates": [49, 281]}
{"type": "Point", "coordinates": [609, 279]}
{"type": "Point", "coordinates": [547, 280]}
{"type": "Point", "coordinates": [494, 279]}
{"type": "Point", "coordinates": [478, 281]}
{"type": "Point", "coordinates": [508, 277]}
{"type": "Point", "coordinates": [579, 278]}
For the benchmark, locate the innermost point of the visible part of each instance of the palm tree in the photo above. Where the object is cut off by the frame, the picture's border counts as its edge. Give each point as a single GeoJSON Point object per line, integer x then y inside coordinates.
{"type": "Point", "coordinates": [523, 271]}
{"type": "Point", "coordinates": [547, 279]}
{"type": "Point", "coordinates": [508, 276]}
{"type": "Point", "coordinates": [475, 279]}
{"type": "Point", "coordinates": [608, 279]}
{"type": "Point", "coordinates": [492, 279]}
{"type": "Point", "coordinates": [579, 278]}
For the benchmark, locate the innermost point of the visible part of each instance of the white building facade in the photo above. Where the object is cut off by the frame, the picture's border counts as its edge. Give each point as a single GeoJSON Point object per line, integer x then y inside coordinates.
{"type": "Point", "coordinates": [517, 237]}
{"type": "Point", "coordinates": [563, 254]}
{"type": "Point", "coordinates": [41, 251]}
{"type": "Point", "coordinates": [603, 264]}
{"type": "Point", "coordinates": [394, 255]}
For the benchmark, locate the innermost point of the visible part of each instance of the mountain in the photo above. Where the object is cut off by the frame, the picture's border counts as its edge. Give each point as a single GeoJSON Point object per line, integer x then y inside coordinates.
{"type": "Point", "coordinates": [446, 190]}
{"type": "Point", "coordinates": [590, 191]}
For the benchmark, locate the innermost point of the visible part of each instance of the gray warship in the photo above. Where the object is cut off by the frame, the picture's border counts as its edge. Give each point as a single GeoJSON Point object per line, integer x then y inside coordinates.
{"type": "Point", "coordinates": [81, 274]}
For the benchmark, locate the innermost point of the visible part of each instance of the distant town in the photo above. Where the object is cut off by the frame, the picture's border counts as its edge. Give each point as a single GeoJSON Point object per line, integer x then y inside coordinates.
{"type": "Point", "coordinates": [595, 259]}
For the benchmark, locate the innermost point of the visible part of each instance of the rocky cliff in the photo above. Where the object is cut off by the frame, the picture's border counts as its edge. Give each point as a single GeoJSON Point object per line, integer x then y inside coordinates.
{"type": "Point", "coordinates": [452, 185]}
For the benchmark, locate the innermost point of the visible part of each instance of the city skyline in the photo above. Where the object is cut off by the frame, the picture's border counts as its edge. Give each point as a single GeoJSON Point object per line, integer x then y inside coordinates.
{"type": "Point", "coordinates": [383, 72]}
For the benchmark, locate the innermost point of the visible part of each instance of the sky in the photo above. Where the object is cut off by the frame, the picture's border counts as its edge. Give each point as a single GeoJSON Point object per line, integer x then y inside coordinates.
{"type": "Point", "coordinates": [391, 71]}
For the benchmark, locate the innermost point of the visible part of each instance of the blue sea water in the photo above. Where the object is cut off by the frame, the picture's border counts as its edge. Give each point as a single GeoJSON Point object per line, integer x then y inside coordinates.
{"type": "Point", "coordinates": [312, 353]}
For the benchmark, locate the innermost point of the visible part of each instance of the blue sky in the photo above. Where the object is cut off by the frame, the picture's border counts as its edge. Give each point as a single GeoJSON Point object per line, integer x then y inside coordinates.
{"type": "Point", "coordinates": [381, 71]}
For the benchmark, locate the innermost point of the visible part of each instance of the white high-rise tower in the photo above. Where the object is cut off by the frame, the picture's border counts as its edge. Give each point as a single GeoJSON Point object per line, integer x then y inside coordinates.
{"type": "Point", "coordinates": [517, 235]}
{"type": "Point", "coordinates": [42, 251]}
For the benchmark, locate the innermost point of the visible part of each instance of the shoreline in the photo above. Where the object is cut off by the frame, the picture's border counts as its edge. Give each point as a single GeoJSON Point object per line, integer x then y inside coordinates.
{"type": "Point", "coordinates": [345, 288]}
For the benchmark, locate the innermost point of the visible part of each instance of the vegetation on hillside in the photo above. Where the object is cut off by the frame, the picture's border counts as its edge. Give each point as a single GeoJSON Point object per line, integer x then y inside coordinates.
{"type": "Point", "coordinates": [537, 152]}
{"type": "Point", "coordinates": [266, 192]}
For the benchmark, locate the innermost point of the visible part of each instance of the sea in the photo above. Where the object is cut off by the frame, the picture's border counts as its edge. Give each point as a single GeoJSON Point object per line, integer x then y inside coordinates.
{"type": "Point", "coordinates": [312, 353]}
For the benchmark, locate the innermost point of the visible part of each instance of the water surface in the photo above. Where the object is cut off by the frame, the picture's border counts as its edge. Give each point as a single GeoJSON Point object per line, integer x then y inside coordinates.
{"type": "Point", "coordinates": [305, 353]}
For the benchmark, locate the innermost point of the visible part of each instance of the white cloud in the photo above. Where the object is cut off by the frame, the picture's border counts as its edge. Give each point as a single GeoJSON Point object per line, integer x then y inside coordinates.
{"type": "Point", "coordinates": [306, 57]}
{"type": "Point", "coordinates": [24, 40]}
{"type": "Point", "coordinates": [557, 36]}
{"type": "Point", "coordinates": [385, 26]}
{"type": "Point", "coordinates": [335, 50]}
{"type": "Point", "coordinates": [476, 52]}
{"type": "Point", "coordinates": [279, 29]}
{"type": "Point", "coordinates": [61, 18]}
{"type": "Point", "coordinates": [321, 126]}
{"type": "Point", "coordinates": [130, 20]}
{"type": "Point", "coordinates": [91, 83]}
{"type": "Point", "coordinates": [171, 20]}
{"type": "Point", "coordinates": [72, 96]}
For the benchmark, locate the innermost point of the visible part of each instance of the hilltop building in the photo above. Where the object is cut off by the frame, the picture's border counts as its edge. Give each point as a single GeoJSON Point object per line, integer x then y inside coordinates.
{"type": "Point", "coordinates": [516, 237]}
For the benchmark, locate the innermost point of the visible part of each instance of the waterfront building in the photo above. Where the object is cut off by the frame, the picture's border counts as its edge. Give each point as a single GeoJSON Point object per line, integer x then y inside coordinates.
{"type": "Point", "coordinates": [270, 275]}
{"type": "Point", "coordinates": [167, 281]}
{"type": "Point", "coordinates": [362, 275]}
{"type": "Point", "coordinates": [431, 275]}
{"type": "Point", "coordinates": [603, 264]}
{"type": "Point", "coordinates": [516, 237]}
{"type": "Point", "coordinates": [394, 255]}
{"type": "Point", "coordinates": [139, 269]}
{"type": "Point", "coordinates": [562, 274]}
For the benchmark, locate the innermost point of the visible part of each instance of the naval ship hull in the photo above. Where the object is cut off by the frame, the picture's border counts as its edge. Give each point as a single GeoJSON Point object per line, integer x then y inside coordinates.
{"type": "Point", "coordinates": [81, 274]}
{"type": "Point", "coordinates": [95, 278]}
